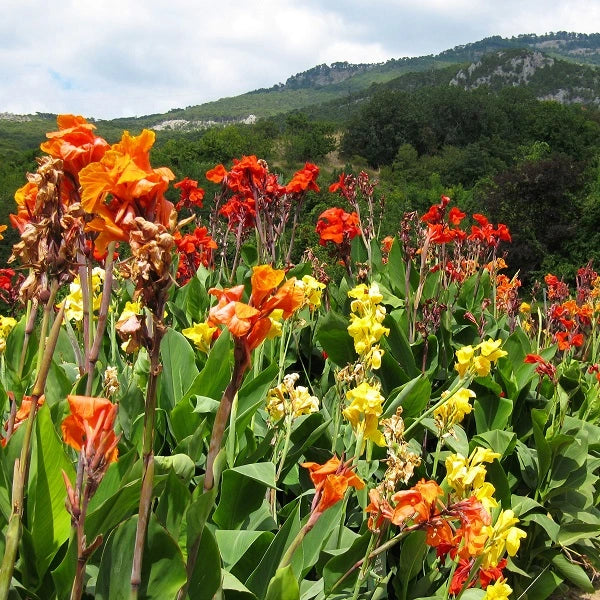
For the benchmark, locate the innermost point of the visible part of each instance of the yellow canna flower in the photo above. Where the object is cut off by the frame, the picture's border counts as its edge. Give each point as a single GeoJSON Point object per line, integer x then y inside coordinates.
{"type": "Point", "coordinates": [288, 400]}
{"type": "Point", "coordinates": [453, 411]}
{"type": "Point", "coordinates": [7, 324]}
{"type": "Point", "coordinates": [313, 291]}
{"type": "Point", "coordinates": [201, 335]}
{"type": "Point", "coordinates": [276, 318]}
{"type": "Point", "coordinates": [499, 590]}
{"type": "Point", "coordinates": [364, 410]}
{"type": "Point", "coordinates": [525, 308]}
{"type": "Point", "coordinates": [490, 349]}
{"type": "Point", "coordinates": [467, 475]}
{"type": "Point", "coordinates": [464, 356]}
{"type": "Point", "coordinates": [503, 535]}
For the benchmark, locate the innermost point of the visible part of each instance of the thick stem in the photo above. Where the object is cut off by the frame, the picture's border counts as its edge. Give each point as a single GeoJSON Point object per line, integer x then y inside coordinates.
{"type": "Point", "coordinates": [147, 453]}
{"type": "Point", "coordinates": [241, 364]}
{"type": "Point", "coordinates": [31, 315]}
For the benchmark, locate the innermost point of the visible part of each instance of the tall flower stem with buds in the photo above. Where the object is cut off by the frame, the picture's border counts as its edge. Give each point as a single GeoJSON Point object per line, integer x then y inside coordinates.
{"type": "Point", "coordinates": [158, 331]}
{"type": "Point", "coordinates": [21, 468]}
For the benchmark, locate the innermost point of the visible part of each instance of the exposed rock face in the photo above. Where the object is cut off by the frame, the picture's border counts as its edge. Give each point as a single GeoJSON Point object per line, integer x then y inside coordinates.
{"type": "Point", "coordinates": [517, 70]}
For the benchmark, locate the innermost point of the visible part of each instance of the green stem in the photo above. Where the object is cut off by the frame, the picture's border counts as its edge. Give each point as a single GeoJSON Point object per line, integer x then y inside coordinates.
{"type": "Point", "coordinates": [436, 457]}
{"type": "Point", "coordinates": [147, 453]}
{"type": "Point", "coordinates": [363, 567]}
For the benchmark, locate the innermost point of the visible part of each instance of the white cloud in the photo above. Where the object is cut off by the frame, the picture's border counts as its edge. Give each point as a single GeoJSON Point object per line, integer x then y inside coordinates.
{"type": "Point", "coordinates": [113, 58]}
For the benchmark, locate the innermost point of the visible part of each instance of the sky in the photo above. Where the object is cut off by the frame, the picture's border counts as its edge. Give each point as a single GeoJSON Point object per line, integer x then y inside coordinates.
{"type": "Point", "coordinates": [118, 58]}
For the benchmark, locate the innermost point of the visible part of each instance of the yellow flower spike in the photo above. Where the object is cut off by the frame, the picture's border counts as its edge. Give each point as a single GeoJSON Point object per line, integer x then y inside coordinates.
{"type": "Point", "coordinates": [313, 291]}
{"type": "Point", "coordinates": [366, 406]}
{"type": "Point", "coordinates": [525, 308]}
{"type": "Point", "coordinates": [481, 455]}
{"type": "Point", "coordinates": [453, 411]}
{"type": "Point", "coordinates": [201, 334]}
{"type": "Point", "coordinates": [7, 324]}
{"type": "Point", "coordinates": [503, 535]}
{"type": "Point", "coordinates": [482, 366]}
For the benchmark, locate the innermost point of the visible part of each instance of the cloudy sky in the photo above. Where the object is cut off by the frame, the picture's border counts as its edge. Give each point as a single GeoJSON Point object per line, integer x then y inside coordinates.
{"type": "Point", "coordinates": [113, 58]}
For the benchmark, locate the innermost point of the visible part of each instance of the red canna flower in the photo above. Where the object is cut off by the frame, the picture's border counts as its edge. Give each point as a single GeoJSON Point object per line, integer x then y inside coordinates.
{"type": "Point", "coordinates": [543, 366]}
{"type": "Point", "coordinates": [90, 427]}
{"type": "Point", "coordinates": [21, 416]}
{"type": "Point", "coordinates": [339, 185]}
{"type": "Point", "coordinates": [455, 216]}
{"type": "Point", "coordinates": [304, 179]}
{"type": "Point", "coordinates": [217, 174]}
{"type": "Point", "coordinates": [336, 225]}
{"type": "Point", "coordinates": [191, 194]}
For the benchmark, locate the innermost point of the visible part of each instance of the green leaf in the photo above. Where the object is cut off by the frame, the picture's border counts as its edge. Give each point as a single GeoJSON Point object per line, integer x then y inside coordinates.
{"type": "Point", "coordinates": [337, 566]}
{"type": "Point", "coordinates": [252, 396]}
{"type": "Point", "coordinates": [50, 522]}
{"type": "Point", "coordinates": [283, 586]}
{"type": "Point", "coordinates": [215, 375]}
{"type": "Point", "coordinates": [258, 581]}
{"type": "Point", "coordinates": [242, 492]}
{"type": "Point", "coordinates": [496, 440]}
{"type": "Point", "coordinates": [332, 334]}
{"type": "Point", "coordinates": [396, 343]}
{"type": "Point", "coordinates": [570, 533]}
{"type": "Point", "coordinates": [234, 544]}
{"type": "Point", "coordinates": [548, 526]}
{"type": "Point", "coordinates": [179, 368]}
{"type": "Point", "coordinates": [172, 504]}
{"type": "Point", "coordinates": [206, 577]}
{"type": "Point", "coordinates": [491, 412]}
{"type": "Point", "coordinates": [544, 453]}
{"type": "Point", "coordinates": [163, 568]}
{"type": "Point", "coordinates": [411, 555]}
{"type": "Point", "coordinates": [413, 397]}
{"type": "Point", "coordinates": [574, 573]}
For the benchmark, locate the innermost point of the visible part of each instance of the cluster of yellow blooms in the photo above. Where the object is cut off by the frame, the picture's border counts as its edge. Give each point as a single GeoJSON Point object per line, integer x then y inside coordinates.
{"type": "Point", "coordinates": [7, 324]}
{"type": "Point", "coordinates": [313, 290]}
{"type": "Point", "coordinates": [287, 400]}
{"type": "Point", "coordinates": [366, 326]}
{"type": "Point", "coordinates": [74, 300]}
{"type": "Point", "coordinates": [364, 410]}
{"type": "Point", "coordinates": [478, 360]}
{"type": "Point", "coordinates": [453, 411]}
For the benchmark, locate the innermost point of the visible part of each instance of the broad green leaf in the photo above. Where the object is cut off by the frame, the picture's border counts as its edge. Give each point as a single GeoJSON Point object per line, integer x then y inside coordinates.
{"type": "Point", "coordinates": [216, 373]}
{"type": "Point", "coordinates": [179, 368]}
{"type": "Point", "coordinates": [413, 397]}
{"type": "Point", "coordinates": [172, 504]}
{"type": "Point", "coordinates": [252, 396]}
{"type": "Point", "coordinates": [411, 555]}
{"type": "Point", "coordinates": [496, 440]}
{"type": "Point", "coordinates": [50, 522]}
{"type": "Point", "coordinates": [571, 533]}
{"type": "Point", "coordinates": [206, 578]}
{"type": "Point", "coordinates": [548, 525]}
{"type": "Point", "coordinates": [336, 567]}
{"type": "Point", "coordinates": [544, 453]}
{"type": "Point", "coordinates": [574, 573]}
{"type": "Point", "coordinates": [234, 589]}
{"type": "Point", "coordinates": [233, 544]}
{"type": "Point", "coordinates": [258, 581]}
{"type": "Point", "coordinates": [332, 334]}
{"type": "Point", "coordinates": [283, 585]}
{"type": "Point", "coordinates": [242, 492]}
{"type": "Point", "coordinates": [396, 344]}
{"type": "Point", "coordinates": [163, 568]}
{"type": "Point", "coordinates": [491, 412]}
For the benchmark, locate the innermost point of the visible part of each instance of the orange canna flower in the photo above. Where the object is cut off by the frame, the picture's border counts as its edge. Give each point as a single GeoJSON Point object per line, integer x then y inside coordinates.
{"type": "Point", "coordinates": [75, 144]}
{"type": "Point", "coordinates": [331, 480]}
{"type": "Point", "coordinates": [304, 179]}
{"type": "Point", "coordinates": [21, 416]}
{"type": "Point", "coordinates": [90, 427]}
{"type": "Point", "coordinates": [336, 225]}
{"type": "Point", "coordinates": [251, 321]}
{"type": "Point", "coordinates": [419, 503]}
{"type": "Point", "coordinates": [132, 187]}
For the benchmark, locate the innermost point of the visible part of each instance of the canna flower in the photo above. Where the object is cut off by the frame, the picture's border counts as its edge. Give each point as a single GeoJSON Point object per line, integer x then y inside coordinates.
{"type": "Point", "coordinates": [74, 300]}
{"type": "Point", "coordinates": [75, 144]}
{"type": "Point", "coordinates": [303, 180]}
{"type": "Point", "coordinates": [89, 427]}
{"type": "Point", "coordinates": [7, 324]}
{"type": "Point", "coordinates": [313, 291]}
{"type": "Point", "coordinates": [337, 226]}
{"type": "Point", "coordinates": [331, 480]}
{"type": "Point", "coordinates": [201, 334]}
{"type": "Point", "coordinates": [453, 411]}
{"type": "Point", "coordinates": [419, 504]}
{"type": "Point", "coordinates": [288, 400]}
{"type": "Point", "coordinates": [498, 591]}
{"type": "Point", "coordinates": [478, 361]}
{"type": "Point", "coordinates": [251, 321]}
{"type": "Point", "coordinates": [3, 228]}
{"type": "Point", "coordinates": [123, 186]}
{"type": "Point", "coordinates": [525, 308]}
{"type": "Point", "coordinates": [543, 366]}
{"type": "Point", "coordinates": [21, 416]}
{"type": "Point", "coordinates": [191, 195]}
{"type": "Point", "coordinates": [364, 410]}
{"type": "Point", "coordinates": [465, 475]}
{"type": "Point", "coordinates": [503, 535]}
